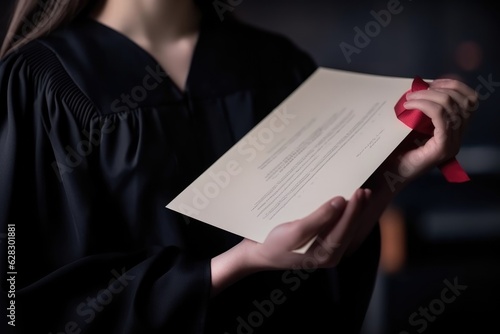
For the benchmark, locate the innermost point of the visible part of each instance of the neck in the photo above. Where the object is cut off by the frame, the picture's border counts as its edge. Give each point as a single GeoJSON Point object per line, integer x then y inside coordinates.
{"type": "Point", "coordinates": [151, 21]}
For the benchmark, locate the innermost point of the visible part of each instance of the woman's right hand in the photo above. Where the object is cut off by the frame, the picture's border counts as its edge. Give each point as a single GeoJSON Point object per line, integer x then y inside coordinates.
{"type": "Point", "coordinates": [334, 224]}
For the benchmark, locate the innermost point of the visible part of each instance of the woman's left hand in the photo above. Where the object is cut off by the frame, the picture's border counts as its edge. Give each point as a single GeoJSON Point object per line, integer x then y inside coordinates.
{"type": "Point", "coordinates": [449, 104]}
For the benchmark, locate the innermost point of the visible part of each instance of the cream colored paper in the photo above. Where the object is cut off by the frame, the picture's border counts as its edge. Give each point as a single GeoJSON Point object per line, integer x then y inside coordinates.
{"type": "Point", "coordinates": [324, 140]}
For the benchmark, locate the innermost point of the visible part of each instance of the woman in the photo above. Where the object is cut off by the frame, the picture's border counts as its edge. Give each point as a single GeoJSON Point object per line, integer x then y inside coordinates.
{"type": "Point", "coordinates": [108, 110]}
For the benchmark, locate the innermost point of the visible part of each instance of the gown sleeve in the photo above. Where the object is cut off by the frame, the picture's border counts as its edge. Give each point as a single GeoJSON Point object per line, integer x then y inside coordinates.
{"type": "Point", "coordinates": [59, 284]}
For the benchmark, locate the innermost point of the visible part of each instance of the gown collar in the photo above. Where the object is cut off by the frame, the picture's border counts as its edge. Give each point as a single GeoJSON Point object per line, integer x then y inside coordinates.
{"type": "Point", "coordinates": [148, 57]}
{"type": "Point", "coordinates": [113, 71]}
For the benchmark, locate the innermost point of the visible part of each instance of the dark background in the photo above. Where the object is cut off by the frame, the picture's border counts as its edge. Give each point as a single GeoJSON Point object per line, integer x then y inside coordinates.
{"type": "Point", "coordinates": [453, 230]}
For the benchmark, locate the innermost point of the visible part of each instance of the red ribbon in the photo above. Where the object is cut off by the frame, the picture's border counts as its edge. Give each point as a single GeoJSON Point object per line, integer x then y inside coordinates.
{"type": "Point", "coordinates": [418, 121]}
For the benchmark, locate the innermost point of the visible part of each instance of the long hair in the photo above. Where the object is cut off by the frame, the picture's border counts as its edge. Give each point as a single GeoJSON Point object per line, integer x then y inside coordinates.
{"type": "Point", "coordinates": [32, 19]}
{"type": "Point", "coordinates": [36, 18]}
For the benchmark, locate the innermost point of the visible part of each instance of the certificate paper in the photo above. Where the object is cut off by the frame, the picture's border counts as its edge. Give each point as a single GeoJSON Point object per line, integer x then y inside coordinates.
{"type": "Point", "coordinates": [323, 140]}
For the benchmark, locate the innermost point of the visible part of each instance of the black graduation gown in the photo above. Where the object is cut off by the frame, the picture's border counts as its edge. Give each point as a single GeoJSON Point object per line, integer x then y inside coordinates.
{"type": "Point", "coordinates": [95, 140]}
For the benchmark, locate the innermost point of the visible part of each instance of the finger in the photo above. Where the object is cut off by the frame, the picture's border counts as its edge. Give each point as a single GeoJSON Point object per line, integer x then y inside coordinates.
{"type": "Point", "coordinates": [461, 100]}
{"type": "Point", "coordinates": [460, 87]}
{"type": "Point", "coordinates": [452, 125]}
{"type": "Point", "coordinates": [436, 112]}
{"type": "Point", "coordinates": [439, 97]}
{"type": "Point", "coordinates": [338, 236]}
{"type": "Point", "coordinates": [301, 231]}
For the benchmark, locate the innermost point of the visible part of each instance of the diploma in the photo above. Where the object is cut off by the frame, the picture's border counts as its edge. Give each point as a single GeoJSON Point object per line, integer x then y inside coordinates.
{"type": "Point", "coordinates": [325, 139]}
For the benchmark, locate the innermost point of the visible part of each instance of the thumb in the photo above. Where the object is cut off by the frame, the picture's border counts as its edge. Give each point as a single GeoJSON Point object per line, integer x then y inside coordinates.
{"type": "Point", "coordinates": [297, 233]}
